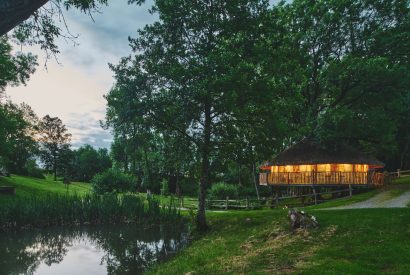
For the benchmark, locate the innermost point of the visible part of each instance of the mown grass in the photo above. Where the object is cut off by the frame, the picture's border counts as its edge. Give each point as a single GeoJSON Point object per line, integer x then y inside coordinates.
{"type": "Point", "coordinates": [365, 241]}
{"type": "Point", "coordinates": [27, 186]}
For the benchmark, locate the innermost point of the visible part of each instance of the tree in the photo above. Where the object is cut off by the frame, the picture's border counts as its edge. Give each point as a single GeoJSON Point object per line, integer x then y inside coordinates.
{"type": "Point", "coordinates": [54, 141]}
{"type": "Point", "coordinates": [85, 162]}
{"type": "Point", "coordinates": [14, 12]}
{"type": "Point", "coordinates": [17, 136]}
{"type": "Point", "coordinates": [179, 75]}
{"type": "Point", "coordinates": [341, 70]}
{"type": "Point", "coordinates": [15, 69]}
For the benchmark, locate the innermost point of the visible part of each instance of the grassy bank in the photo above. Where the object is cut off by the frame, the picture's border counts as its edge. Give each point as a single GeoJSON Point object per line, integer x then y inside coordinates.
{"type": "Point", "coordinates": [41, 203]}
{"type": "Point", "coordinates": [354, 241]}
{"type": "Point", "coordinates": [27, 186]}
{"type": "Point", "coordinates": [366, 241]}
{"type": "Point", "coordinates": [54, 209]}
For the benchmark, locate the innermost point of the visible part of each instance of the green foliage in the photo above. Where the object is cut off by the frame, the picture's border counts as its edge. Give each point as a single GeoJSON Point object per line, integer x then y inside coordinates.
{"type": "Point", "coordinates": [17, 145]}
{"type": "Point", "coordinates": [113, 180]}
{"type": "Point", "coordinates": [55, 147]}
{"type": "Point", "coordinates": [53, 209]}
{"type": "Point", "coordinates": [14, 69]}
{"type": "Point", "coordinates": [33, 170]}
{"type": "Point", "coordinates": [85, 162]}
{"type": "Point", "coordinates": [222, 190]}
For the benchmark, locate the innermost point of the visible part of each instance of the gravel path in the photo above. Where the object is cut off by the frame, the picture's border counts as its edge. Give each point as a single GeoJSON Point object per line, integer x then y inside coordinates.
{"type": "Point", "coordinates": [382, 200]}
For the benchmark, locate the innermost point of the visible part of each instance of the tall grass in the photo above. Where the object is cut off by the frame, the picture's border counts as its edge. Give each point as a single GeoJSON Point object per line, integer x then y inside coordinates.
{"type": "Point", "coordinates": [55, 209]}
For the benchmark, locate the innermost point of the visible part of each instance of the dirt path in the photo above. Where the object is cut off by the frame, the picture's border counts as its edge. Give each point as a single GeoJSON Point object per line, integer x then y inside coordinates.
{"type": "Point", "coordinates": [385, 199]}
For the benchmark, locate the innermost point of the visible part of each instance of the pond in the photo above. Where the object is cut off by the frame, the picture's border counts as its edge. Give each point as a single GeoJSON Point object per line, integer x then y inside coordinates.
{"type": "Point", "coordinates": [122, 249]}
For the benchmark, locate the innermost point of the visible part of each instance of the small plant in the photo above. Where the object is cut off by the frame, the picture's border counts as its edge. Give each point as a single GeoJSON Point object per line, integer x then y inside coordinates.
{"type": "Point", "coordinates": [222, 190]}
{"type": "Point", "coordinates": [113, 180]}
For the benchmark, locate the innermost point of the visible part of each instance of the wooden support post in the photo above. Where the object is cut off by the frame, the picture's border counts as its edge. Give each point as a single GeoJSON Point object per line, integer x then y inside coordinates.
{"type": "Point", "coordinates": [247, 202]}
{"type": "Point", "coordinates": [182, 201]}
{"type": "Point", "coordinates": [277, 199]}
{"type": "Point", "coordinates": [350, 190]}
{"type": "Point", "coordinates": [314, 194]}
{"type": "Point", "coordinates": [226, 203]}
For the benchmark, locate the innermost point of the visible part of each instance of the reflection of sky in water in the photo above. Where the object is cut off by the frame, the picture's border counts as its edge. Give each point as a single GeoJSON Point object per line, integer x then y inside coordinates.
{"type": "Point", "coordinates": [126, 249]}
{"type": "Point", "coordinates": [83, 257]}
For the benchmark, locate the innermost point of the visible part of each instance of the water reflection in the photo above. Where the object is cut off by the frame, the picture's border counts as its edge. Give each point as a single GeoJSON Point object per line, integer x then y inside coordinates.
{"type": "Point", "coordinates": [88, 250]}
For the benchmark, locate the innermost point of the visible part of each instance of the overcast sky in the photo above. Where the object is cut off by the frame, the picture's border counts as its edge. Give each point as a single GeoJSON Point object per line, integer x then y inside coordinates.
{"type": "Point", "coordinates": [74, 90]}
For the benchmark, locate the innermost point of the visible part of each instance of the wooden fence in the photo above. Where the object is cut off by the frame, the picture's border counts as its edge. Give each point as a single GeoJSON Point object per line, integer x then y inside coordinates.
{"type": "Point", "coordinates": [400, 173]}
{"type": "Point", "coordinates": [248, 203]}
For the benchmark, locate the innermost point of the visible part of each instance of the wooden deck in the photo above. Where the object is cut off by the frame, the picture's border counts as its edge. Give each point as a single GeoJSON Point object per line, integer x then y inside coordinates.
{"type": "Point", "coordinates": [321, 178]}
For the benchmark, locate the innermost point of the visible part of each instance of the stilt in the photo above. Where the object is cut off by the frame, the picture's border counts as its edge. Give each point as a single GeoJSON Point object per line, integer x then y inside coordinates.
{"type": "Point", "coordinates": [314, 193]}
{"type": "Point", "coordinates": [350, 190]}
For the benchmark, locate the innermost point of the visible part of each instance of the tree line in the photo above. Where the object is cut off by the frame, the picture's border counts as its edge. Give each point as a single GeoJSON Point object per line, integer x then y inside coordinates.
{"type": "Point", "coordinates": [27, 141]}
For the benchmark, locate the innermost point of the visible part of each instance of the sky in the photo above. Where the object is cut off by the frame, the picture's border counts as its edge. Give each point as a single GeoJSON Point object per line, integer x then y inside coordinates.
{"type": "Point", "coordinates": [73, 90]}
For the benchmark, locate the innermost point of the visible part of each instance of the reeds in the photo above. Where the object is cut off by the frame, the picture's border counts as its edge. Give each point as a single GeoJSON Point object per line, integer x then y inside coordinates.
{"type": "Point", "coordinates": [51, 209]}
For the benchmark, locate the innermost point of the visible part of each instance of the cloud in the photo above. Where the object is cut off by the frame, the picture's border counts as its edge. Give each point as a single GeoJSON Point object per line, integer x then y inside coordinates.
{"type": "Point", "coordinates": [74, 90]}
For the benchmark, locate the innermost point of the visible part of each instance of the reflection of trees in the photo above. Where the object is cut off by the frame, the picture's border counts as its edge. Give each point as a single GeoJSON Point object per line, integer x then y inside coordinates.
{"type": "Point", "coordinates": [132, 249]}
{"type": "Point", "coordinates": [22, 252]}
{"type": "Point", "coordinates": [128, 249]}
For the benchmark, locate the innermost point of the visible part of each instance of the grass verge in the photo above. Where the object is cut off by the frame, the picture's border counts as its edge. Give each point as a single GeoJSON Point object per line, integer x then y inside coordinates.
{"type": "Point", "coordinates": [359, 241]}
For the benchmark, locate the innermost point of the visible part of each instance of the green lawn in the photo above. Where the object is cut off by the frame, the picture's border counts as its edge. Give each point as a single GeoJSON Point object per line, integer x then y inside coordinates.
{"type": "Point", "coordinates": [26, 186]}
{"type": "Point", "coordinates": [366, 241]}
{"type": "Point", "coordinates": [354, 241]}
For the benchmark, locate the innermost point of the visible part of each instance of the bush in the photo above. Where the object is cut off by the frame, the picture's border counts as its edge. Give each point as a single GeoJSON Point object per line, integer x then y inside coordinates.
{"type": "Point", "coordinates": [32, 170]}
{"type": "Point", "coordinates": [113, 181]}
{"type": "Point", "coordinates": [222, 190]}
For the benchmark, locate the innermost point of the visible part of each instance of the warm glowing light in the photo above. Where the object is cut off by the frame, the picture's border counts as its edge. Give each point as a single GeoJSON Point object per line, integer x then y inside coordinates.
{"type": "Point", "coordinates": [325, 167]}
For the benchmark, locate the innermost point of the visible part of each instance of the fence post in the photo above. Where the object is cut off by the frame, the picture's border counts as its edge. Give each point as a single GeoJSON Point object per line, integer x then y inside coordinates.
{"type": "Point", "coordinates": [247, 202]}
{"type": "Point", "coordinates": [314, 194]}
{"type": "Point", "coordinates": [226, 203]}
{"type": "Point", "coordinates": [398, 173]}
{"type": "Point", "coordinates": [182, 201]}
{"type": "Point", "coordinates": [350, 190]}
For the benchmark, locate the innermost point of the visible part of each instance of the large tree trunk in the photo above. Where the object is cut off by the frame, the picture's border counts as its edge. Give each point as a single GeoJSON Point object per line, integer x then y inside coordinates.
{"type": "Point", "coordinates": [255, 175]}
{"type": "Point", "coordinates": [13, 12]}
{"type": "Point", "coordinates": [204, 181]}
{"type": "Point", "coordinates": [148, 169]}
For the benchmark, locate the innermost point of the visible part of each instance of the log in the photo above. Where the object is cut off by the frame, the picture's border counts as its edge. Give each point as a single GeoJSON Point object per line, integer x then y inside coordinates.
{"type": "Point", "coordinates": [300, 219]}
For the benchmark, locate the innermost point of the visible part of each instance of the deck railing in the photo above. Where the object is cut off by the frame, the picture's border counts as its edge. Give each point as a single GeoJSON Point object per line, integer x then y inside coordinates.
{"type": "Point", "coordinates": [321, 178]}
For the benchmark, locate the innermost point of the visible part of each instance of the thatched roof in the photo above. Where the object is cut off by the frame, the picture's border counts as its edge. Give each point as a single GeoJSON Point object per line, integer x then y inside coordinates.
{"type": "Point", "coordinates": [308, 151]}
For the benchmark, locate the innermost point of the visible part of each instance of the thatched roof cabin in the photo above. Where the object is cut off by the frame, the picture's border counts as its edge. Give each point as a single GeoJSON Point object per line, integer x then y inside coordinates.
{"type": "Point", "coordinates": [307, 162]}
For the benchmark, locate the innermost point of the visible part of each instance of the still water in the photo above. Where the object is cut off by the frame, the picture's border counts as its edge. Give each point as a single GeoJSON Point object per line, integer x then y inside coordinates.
{"type": "Point", "coordinates": [123, 249]}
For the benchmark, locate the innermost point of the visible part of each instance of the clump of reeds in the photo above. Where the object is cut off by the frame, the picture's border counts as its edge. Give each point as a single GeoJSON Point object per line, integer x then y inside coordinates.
{"type": "Point", "coordinates": [51, 209]}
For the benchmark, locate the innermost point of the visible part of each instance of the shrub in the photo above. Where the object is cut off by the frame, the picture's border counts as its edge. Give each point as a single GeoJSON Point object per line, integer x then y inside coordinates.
{"type": "Point", "coordinates": [222, 190]}
{"type": "Point", "coordinates": [113, 180]}
{"type": "Point", "coordinates": [32, 170]}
